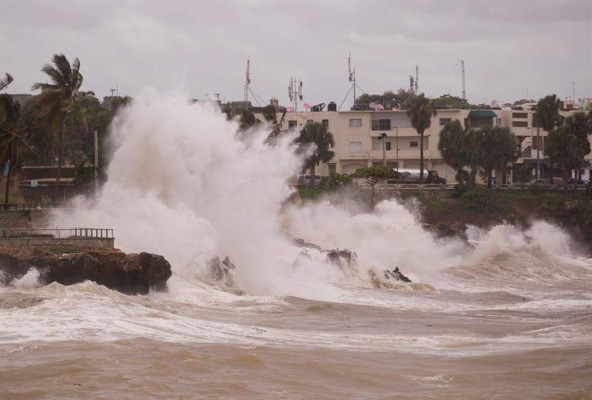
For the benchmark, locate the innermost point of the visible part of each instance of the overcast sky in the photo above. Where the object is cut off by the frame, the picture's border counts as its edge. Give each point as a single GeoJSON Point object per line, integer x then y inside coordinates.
{"type": "Point", "coordinates": [512, 48]}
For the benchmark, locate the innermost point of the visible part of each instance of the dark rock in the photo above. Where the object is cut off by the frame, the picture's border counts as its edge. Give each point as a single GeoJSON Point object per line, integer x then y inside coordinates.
{"type": "Point", "coordinates": [302, 243]}
{"type": "Point", "coordinates": [127, 273]}
{"type": "Point", "coordinates": [396, 275]}
{"type": "Point", "coordinates": [220, 269]}
{"type": "Point", "coordinates": [336, 257]}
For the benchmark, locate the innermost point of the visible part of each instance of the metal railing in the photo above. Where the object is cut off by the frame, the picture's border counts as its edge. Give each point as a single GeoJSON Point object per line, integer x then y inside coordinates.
{"type": "Point", "coordinates": [57, 233]}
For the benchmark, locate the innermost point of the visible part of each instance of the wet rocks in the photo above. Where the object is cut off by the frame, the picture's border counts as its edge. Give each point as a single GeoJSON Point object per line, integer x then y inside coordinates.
{"type": "Point", "coordinates": [126, 273]}
{"type": "Point", "coordinates": [341, 258]}
{"type": "Point", "coordinates": [396, 275]}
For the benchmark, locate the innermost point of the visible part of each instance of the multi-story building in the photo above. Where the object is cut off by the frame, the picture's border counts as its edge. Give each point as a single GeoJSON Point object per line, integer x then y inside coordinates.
{"type": "Point", "coordinates": [359, 143]}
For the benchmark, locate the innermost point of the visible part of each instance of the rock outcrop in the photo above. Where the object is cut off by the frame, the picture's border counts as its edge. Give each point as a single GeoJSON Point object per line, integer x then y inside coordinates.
{"type": "Point", "coordinates": [126, 273]}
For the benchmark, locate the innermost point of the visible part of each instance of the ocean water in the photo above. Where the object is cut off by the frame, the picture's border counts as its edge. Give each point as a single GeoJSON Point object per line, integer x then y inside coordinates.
{"type": "Point", "coordinates": [506, 314]}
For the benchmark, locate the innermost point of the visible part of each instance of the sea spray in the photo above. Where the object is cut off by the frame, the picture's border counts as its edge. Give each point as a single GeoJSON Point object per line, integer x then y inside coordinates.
{"type": "Point", "coordinates": [183, 183]}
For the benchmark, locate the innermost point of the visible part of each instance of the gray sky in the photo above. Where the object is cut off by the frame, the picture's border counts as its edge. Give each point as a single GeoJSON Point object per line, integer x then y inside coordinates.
{"type": "Point", "coordinates": [512, 48]}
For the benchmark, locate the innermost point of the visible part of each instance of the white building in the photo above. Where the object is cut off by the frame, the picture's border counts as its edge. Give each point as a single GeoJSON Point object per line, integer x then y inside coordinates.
{"type": "Point", "coordinates": [357, 138]}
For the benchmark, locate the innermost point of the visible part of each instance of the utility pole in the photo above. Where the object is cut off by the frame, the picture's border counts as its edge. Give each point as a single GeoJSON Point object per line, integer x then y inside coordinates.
{"type": "Point", "coordinates": [464, 93]}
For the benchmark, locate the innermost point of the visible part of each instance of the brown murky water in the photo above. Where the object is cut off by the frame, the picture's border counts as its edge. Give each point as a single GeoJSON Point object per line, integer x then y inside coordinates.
{"type": "Point", "coordinates": [531, 339]}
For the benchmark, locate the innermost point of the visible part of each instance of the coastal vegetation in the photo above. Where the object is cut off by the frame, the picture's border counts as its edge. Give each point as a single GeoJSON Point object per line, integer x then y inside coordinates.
{"type": "Point", "coordinates": [315, 141]}
{"type": "Point", "coordinates": [420, 113]}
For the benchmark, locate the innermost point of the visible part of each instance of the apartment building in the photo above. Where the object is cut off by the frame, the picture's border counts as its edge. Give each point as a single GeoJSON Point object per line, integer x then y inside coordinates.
{"type": "Point", "coordinates": [358, 141]}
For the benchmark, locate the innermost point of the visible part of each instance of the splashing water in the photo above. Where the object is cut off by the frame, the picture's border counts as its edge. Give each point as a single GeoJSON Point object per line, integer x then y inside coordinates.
{"type": "Point", "coordinates": [183, 183]}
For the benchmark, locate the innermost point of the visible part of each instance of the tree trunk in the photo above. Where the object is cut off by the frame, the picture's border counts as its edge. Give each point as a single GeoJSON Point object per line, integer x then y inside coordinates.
{"type": "Point", "coordinates": [459, 176]}
{"type": "Point", "coordinates": [420, 157]}
{"type": "Point", "coordinates": [60, 161]}
{"type": "Point", "coordinates": [312, 174]}
{"type": "Point", "coordinates": [7, 187]}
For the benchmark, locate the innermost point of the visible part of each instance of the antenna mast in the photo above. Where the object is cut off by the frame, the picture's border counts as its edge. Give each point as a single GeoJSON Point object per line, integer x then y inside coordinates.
{"type": "Point", "coordinates": [352, 75]}
{"type": "Point", "coordinates": [248, 79]}
{"type": "Point", "coordinates": [416, 78]}
{"type": "Point", "coordinates": [295, 92]}
{"type": "Point", "coordinates": [464, 93]}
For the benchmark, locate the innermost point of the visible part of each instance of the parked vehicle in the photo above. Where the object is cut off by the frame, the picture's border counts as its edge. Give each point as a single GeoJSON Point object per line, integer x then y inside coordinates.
{"type": "Point", "coordinates": [580, 183]}
{"type": "Point", "coordinates": [541, 182]}
{"type": "Point", "coordinates": [412, 176]}
{"type": "Point", "coordinates": [304, 180]}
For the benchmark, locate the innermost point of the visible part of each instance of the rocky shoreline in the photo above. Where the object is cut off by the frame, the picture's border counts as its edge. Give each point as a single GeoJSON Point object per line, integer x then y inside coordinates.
{"type": "Point", "coordinates": [446, 215]}
{"type": "Point", "coordinates": [67, 265]}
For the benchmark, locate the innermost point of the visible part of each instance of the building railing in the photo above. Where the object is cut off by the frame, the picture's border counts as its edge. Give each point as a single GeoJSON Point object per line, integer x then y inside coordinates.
{"type": "Point", "coordinates": [57, 233]}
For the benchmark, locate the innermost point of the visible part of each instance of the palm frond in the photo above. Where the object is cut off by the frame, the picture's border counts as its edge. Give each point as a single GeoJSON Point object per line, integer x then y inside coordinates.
{"type": "Point", "coordinates": [42, 86]}
{"type": "Point", "coordinates": [55, 75]}
{"type": "Point", "coordinates": [6, 81]}
{"type": "Point", "coordinates": [63, 66]}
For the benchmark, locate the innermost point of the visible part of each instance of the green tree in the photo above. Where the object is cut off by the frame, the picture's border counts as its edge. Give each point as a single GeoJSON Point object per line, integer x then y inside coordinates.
{"type": "Point", "coordinates": [453, 102]}
{"type": "Point", "coordinates": [11, 140]}
{"type": "Point", "coordinates": [420, 112]}
{"type": "Point", "coordinates": [375, 175]}
{"type": "Point", "coordinates": [316, 134]}
{"type": "Point", "coordinates": [568, 144]}
{"type": "Point", "coordinates": [453, 147]}
{"type": "Point", "coordinates": [474, 139]}
{"type": "Point", "coordinates": [56, 100]}
{"type": "Point", "coordinates": [388, 99]}
{"type": "Point", "coordinates": [546, 113]}
{"type": "Point", "coordinates": [498, 148]}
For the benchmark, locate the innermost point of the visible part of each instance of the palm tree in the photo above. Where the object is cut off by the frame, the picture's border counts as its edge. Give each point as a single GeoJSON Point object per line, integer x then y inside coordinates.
{"type": "Point", "coordinates": [315, 133]}
{"type": "Point", "coordinates": [420, 112]}
{"type": "Point", "coordinates": [56, 100]}
{"type": "Point", "coordinates": [10, 139]}
{"type": "Point", "coordinates": [453, 147]}
{"type": "Point", "coordinates": [546, 116]}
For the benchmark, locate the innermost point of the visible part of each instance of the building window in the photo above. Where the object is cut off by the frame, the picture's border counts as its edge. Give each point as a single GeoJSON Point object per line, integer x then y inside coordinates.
{"type": "Point", "coordinates": [388, 146]}
{"type": "Point", "coordinates": [381, 125]}
{"type": "Point", "coordinates": [520, 124]}
{"type": "Point", "coordinates": [444, 121]}
{"type": "Point", "coordinates": [355, 123]}
{"type": "Point", "coordinates": [326, 123]}
{"type": "Point", "coordinates": [412, 144]}
{"type": "Point", "coordinates": [309, 121]}
{"type": "Point", "coordinates": [292, 124]}
{"type": "Point", "coordinates": [520, 115]}
{"type": "Point", "coordinates": [498, 122]}
{"type": "Point", "coordinates": [355, 146]}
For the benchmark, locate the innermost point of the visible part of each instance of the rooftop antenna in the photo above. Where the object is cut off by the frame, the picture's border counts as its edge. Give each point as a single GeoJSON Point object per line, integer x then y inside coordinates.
{"type": "Point", "coordinates": [352, 78]}
{"type": "Point", "coordinates": [113, 91]}
{"type": "Point", "coordinates": [248, 79]}
{"type": "Point", "coordinates": [295, 92]}
{"type": "Point", "coordinates": [464, 93]}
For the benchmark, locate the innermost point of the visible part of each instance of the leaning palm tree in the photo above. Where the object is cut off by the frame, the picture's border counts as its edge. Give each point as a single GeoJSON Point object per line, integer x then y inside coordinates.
{"type": "Point", "coordinates": [315, 133]}
{"type": "Point", "coordinates": [420, 111]}
{"type": "Point", "coordinates": [56, 100]}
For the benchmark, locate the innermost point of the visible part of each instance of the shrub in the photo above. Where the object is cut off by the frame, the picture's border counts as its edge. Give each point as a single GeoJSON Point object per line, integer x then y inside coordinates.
{"type": "Point", "coordinates": [335, 181]}
{"type": "Point", "coordinates": [479, 196]}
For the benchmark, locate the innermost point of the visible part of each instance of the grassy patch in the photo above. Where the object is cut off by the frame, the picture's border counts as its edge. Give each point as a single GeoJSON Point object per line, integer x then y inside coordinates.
{"type": "Point", "coordinates": [309, 193]}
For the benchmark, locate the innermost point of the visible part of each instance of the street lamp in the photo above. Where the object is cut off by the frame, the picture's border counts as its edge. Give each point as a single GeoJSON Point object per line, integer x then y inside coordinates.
{"type": "Point", "coordinates": [397, 144]}
{"type": "Point", "coordinates": [383, 138]}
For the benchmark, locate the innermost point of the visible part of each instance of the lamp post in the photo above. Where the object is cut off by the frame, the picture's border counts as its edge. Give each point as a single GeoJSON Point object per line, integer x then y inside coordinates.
{"type": "Point", "coordinates": [383, 138]}
{"type": "Point", "coordinates": [397, 144]}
